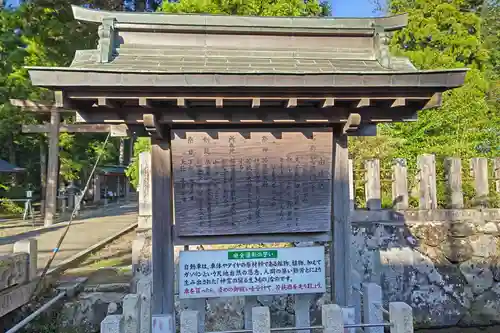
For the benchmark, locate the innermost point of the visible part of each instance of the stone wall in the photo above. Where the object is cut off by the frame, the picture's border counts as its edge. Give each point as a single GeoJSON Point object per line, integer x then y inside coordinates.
{"type": "Point", "coordinates": [446, 266]}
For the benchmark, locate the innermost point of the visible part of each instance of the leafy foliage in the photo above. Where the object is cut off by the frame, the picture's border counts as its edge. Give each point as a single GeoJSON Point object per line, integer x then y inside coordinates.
{"type": "Point", "coordinates": [132, 172]}
{"type": "Point", "coordinates": [40, 33]}
{"type": "Point", "coordinates": [249, 7]}
{"type": "Point", "coordinates": [444, 34]}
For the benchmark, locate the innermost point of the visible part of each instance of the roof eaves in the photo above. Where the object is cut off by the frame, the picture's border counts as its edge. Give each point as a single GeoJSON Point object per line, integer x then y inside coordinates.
{"type": "Point", "coordinates": [64, 77]}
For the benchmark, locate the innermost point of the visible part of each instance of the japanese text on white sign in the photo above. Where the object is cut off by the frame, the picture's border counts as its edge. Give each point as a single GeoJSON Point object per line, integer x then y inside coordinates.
{"type": "Point", "coordinates": [240, 272]}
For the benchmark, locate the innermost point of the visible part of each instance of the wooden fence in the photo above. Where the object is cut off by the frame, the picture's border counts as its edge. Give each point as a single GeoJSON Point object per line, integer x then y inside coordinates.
{"type": "Point", "coordinates": [431, 190]}
{"type": "Point", "coordinates": [18, 275]}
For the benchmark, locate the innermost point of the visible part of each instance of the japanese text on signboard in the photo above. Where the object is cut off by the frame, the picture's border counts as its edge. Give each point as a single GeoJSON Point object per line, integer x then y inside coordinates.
{"type": "Point", "coordinates": [259, 272]}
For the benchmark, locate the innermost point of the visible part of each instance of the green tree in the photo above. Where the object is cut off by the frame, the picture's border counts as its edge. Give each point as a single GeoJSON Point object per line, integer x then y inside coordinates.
{"type": "Point", "coordinates": [444, 34]}
{"type": "Point", "coordinates": [39, 33]}
{"type": "Point", "coordinates": [249, 7]}
{"type": "Point", "coordinates": [440, 34]}
{"type": "Point", "coordinates": [132, 172]}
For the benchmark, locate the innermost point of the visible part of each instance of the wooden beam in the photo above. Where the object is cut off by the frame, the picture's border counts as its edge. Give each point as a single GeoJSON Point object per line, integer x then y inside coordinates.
{"type": "Point", "coordinates": [181, 102]}
{"type": "Point", "coordinates": [308, 115]}
{"type": "Point", "coordinates": [363, 102]}
{"type": "Point", "coordinates": [31, 106]}
{"type": "Point", "coordinates": [116, 130]}
{"type": "Point", "coordinates": [120, 131]}
{"type": "Point", "coordinates": [61, 99]}
{"type": "Point", "coordinates": [105, 102]}
{"type": "Point", "coordinates": [267, 94]}
{"type": "Point", "coordinates": [398, 102]}
{"type": "Point", "coordinates": [219, 103]}
{"type": "Point", "coordinates": [328, 103]}
{"type": "Point", "coordinates": [435, 101]}
{"type": "Point", "coordinates": [255, 103]}
{"type": "Point", "coordinates": [67, 128]}
{"type": "Point", "coordinates": [144, 102]}
{"type": "Point", "coordinates": [152, 126]}
{"type": "Point", "coordinates": [352, 124]}
{"type": "Point", "coordinates": [291, 103]}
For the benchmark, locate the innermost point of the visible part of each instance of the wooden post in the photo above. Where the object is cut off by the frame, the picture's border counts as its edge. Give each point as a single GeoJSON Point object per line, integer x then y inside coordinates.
{"type": "Point", "coordinates": [372, 307]}
{"type": "Point", "coordinates": [29, 246]}
{"type": "Point", "coordinates": [400, 184]}
{"type": "Point", "coordinates": [112, 324]}
{"type": "Point", "coordinates": [340, 254]}
{"type": "Point", "coordinates": [189, 321]}
{"type": "Point", "coordinates": [496, 172]}
{"type": "Point", "coordinates": [131, 313]}
{"type": "Point", "coordinates": [401, 317]}
{"type": "Point", "coordinates": [453, 174]}
{"type": "Point", "coordinates": [479, 170]}
{"type": "Point", "coordinates": [332, 319]}
{"type": "Point", "coordinates": [372, 185]}
{"type": "Point", "coordinates": [52, 169]}
{"type": "Point", "coordinates": [427, 177]}
{"type": "Point", "coordinates": [43, 175]}
{"type": "Point", "coordinates": [261, 320]}
{"type": "Point", "coordinates": [162, 225]}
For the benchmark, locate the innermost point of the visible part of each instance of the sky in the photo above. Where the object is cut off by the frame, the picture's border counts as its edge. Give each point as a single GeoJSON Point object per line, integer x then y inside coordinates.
{"type": "Point", "coordinates": [352, 8]}
{"type": "Point", "coordinates": [340, 8]}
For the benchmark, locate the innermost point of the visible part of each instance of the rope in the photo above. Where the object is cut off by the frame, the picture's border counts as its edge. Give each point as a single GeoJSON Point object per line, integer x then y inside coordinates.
{"type": "Point", "coordinates": [75, 209]}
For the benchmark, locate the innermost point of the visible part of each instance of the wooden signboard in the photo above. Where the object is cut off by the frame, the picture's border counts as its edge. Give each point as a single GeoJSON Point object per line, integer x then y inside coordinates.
{"type": "Point", "coordinates": [252, 181]}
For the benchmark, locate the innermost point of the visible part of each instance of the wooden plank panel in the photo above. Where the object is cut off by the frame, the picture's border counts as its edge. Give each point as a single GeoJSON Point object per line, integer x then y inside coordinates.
{"type": "Point", "coordinates": [252, 181]}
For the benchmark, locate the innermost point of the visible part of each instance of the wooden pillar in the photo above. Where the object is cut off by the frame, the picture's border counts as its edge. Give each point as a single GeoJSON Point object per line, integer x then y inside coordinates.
{"type": "Point", "coordinates": [52, 169]}
{"type": "Point", "coordinates": [340, 254]}
{"type": "Point", "coordinates": [43, 175]}
{"type": "Point", "coordinates": [162, 225]}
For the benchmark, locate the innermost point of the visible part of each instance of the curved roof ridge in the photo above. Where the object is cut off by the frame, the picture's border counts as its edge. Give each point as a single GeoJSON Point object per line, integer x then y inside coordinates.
{"type": "Point", "coordinates": [207, 20]}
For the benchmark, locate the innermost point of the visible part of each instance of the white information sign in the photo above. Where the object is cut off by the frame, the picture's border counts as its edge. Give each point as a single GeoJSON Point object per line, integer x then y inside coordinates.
{"type": "Point", "coordinates": [240, 272]}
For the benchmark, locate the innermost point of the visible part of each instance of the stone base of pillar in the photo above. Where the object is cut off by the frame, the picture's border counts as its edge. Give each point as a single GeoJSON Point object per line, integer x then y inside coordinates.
{"type": "Point", "coordinates": [142, 257]}
{"type": "Point", "coordinates": [144, 222]}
